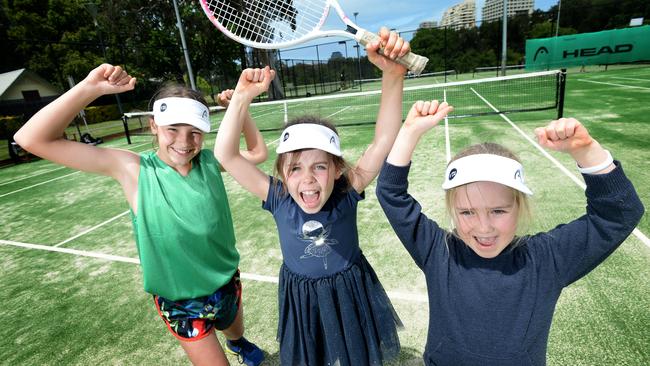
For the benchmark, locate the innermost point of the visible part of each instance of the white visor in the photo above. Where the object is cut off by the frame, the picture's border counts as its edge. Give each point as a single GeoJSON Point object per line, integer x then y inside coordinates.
{"type": "Point", "coordinates": [486, 167]}
{"type": "Point", "coordinates": [309, 136]}
{"type": "Point", "coordinates": [175, 110]}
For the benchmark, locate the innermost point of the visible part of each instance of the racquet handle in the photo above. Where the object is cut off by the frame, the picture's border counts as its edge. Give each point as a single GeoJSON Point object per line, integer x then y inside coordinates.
{"type": "Point", "coordinates": [411, 61]}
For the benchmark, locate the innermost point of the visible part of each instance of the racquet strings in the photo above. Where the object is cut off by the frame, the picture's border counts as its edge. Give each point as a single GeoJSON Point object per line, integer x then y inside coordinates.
{"type": "Point", "coordinates": [269, 21]}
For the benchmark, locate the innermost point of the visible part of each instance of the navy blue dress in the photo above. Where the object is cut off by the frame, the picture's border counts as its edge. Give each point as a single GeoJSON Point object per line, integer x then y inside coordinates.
{"type": "Point", "coordinates": [333, 309]}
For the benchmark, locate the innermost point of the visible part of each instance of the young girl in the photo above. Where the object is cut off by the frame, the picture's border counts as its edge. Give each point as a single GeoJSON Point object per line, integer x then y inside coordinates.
{"type": "Point", "coordinates": [333, 310]}
{"type": "Point", "coordinates": [180, 213]}
{"type": "Point", "coordinates": [492, 294]}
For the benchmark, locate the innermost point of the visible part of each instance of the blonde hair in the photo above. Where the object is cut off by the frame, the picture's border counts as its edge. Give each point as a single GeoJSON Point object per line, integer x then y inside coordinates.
{"type": "Point", "coordinates": [521, 199]}
{"type": "Point", "coordinates": [339, 162]}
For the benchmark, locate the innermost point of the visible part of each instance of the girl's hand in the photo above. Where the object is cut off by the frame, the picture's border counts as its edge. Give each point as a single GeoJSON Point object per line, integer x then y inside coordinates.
{"type": "Point", "coordinates": [565, 134]}
{"type": "Point", "coordinates": [423, 116]}
{"type": "Point", "coordinates": [223, 98]}
{"type": "Point", "coordinates": [109, 79]}
{"type": "Point", "coordinates": [570, 136]}
{"type": "Point", "coordinates": [254, 82]}
{"type": "Point", "coordinates": [393, 46]}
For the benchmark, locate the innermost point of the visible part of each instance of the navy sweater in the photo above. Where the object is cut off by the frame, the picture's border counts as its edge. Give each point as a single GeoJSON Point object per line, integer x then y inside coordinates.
{"type": "Point", "coordinates": [498, 311]}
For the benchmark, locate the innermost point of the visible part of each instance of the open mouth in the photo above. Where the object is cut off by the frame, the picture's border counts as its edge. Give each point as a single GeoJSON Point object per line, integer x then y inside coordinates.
{"type": "Point", "coordinates": [486, 242]}
{"type": "Point", "coordinates": [310, 198]}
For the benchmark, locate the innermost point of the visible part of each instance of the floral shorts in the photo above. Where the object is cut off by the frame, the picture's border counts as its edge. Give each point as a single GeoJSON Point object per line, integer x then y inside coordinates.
{"type": "Point", "coordinates": [193, 319]}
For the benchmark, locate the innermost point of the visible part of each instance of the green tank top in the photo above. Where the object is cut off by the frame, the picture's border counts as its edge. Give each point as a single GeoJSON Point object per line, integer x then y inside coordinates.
{"type": "Point", "coordinates": [183, 229]}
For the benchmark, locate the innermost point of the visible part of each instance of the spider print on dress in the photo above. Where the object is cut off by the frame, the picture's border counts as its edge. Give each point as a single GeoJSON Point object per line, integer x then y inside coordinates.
{"type": "Point", "coordinates": [319, 243]}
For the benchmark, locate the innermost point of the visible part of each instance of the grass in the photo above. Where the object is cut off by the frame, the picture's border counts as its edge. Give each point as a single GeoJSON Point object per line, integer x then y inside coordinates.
{"type": "Point", "coordinates": [65, 308]}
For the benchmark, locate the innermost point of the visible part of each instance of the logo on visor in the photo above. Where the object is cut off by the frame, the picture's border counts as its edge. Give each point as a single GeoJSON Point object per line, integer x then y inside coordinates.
{"type": "Point", "coordinates": [205, 114]}
{"type": "Point", "coordinates": [163, 107]}
{"type": "Point", "coordinates": [518, 175]}
{"type": "Point", "coordinates": [285, 137]}
{"type": "Point", "coordinates": [332, 140]}
{"type": "Point", "coordinates": [452, 173]}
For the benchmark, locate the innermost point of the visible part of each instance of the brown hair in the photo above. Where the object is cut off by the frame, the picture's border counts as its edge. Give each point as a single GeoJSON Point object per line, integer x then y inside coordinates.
{"type": "Point", "coordinates": [520, 198]}
{"type": "Point", "coordinates": [173, 89]}
{"type": "Point", "coordinates": [342, 183]}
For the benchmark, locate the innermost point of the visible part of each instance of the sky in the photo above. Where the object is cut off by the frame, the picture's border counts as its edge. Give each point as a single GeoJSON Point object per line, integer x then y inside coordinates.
{"type": "Point", "coordinates": [407, 15]}
{"type": "Point", "coordinates": [372, 14]}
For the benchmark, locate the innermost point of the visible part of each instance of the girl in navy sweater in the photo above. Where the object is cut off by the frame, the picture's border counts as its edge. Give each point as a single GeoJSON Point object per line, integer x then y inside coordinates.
{"type": "Point", "coordinates": [492, 294]}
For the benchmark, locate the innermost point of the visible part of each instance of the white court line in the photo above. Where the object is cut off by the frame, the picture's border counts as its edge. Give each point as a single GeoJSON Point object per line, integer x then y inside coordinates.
{"type": "Point", "coordinates": [92, 228]}
{"type": "Point", "coordinates": [63, 176]}
{"type": "Point", "coordinates": [51, 180]}
{"type": "Point", "coordinates": [262, 114]}
{"type": "Point", "coordinates": [614, 84]}
{"type": "Point", "coordinates": [38, 184]}
{"type": "Point", "coordinates": [335, 113]}
{"type": "Point", "coordinates": [633, 79]}
{"type": "Point", "coordinates": [248, 276]}
{"type": "Point", "coordinates": [138, 145]}
{"type": "Point", "coordinates": [640, 235]}
{"type": "Point", "coordinates": [31, 176]}
{"type": "Point", "coordinates": [45, 172]}
{"type": "Point", "coordinates": [447, 138]}
{"type": "Point", "coordinates": [99, 225]}
{"type": "Point", "coordinates": [83, 253]}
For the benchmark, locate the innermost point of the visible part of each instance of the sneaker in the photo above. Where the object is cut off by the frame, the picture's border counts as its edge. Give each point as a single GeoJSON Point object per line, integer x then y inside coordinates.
{"type": "Point", "coordinates": [247, 352]}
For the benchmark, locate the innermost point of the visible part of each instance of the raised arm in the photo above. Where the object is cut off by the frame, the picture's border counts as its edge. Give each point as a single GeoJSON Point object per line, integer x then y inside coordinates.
{"type": "Point", "coordinates": [389, 116]}
{"type": "Point", "coordinates": [256, 151]}
{"type": "Point", "coordinates": [613, 206]}
{"type": "Point", "coordinates": [422, 117]}
{"type": "Point", "coordinates": [42, 135]}
{"type": "Point", "coordinates": [570, 136]}
{"type": "Point", "coordinates": [418, 233]}
{"type": "Point", "coordinates": [252, 82]}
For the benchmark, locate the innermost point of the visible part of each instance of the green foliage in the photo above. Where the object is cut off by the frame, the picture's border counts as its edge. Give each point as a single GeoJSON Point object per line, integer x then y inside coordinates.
{"type": "Point", "coordinates": [95, 114]}
{"type": "Point", "coordinates": [8, 126]}
{"type": "Point", "coordinates": [141, 35]}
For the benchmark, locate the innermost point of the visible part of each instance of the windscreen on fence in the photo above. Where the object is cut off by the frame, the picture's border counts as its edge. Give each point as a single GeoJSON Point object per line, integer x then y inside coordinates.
{"type": "Point", "coordinates": [598, 48]}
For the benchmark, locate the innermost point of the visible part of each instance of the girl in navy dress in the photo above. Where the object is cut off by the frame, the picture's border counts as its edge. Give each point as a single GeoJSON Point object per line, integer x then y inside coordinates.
{"type": "Point", "coordinates": [333, 310]}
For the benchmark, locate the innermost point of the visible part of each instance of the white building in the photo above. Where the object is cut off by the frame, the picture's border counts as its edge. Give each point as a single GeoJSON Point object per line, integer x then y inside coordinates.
{"type": "Point", "coordinates": [24, 85]}
{"type": "Point", "coordinates": [493, 9]}
{"type": "Point", "coordinates": [459, 16]}
{"type": "Point", "coordinates": [428, 24]}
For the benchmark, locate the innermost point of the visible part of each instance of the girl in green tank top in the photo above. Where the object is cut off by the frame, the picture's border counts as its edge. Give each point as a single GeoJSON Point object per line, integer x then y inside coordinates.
{"type": "Point", "coordinates": [179, 209]}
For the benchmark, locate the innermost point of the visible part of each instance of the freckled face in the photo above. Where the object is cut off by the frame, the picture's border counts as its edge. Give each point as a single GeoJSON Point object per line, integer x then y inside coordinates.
{"type": "Point", "coordinates": [486, 217]}
{"type": "Point", "coordinates": [310, 179]}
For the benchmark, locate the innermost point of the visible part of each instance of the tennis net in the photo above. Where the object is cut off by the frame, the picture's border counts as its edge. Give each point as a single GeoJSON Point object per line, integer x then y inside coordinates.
{"type": "Point", "coordinates": [422, 79]}
{"type": "Point", "coordinates": [535, 91]}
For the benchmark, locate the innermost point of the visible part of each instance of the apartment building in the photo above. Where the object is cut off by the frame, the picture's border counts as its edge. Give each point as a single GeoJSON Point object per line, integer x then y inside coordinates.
{"type": "Point", "coordinates": [459, 16]}
{"type": "Point", "coordinates": [493, 9]}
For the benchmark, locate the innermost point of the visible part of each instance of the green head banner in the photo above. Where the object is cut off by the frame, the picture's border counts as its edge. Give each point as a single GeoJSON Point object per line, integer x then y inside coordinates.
{"type": "Point", "coordinates": [598, 48]}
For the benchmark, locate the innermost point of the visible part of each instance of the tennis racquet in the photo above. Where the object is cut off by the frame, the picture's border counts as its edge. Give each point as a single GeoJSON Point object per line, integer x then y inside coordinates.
{"type": "Point", "coordinates": [273, 24]}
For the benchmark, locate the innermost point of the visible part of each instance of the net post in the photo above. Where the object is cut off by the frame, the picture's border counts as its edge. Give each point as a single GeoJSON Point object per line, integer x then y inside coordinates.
{"type": "Point", "coordinates": [126, 129]}
{"type": "Point", "coordinates": [561, 86]}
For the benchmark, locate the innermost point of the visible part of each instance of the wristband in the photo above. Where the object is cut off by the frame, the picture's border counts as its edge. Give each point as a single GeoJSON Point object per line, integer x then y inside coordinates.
{"type": "Point", "coordinates": [599, 167]}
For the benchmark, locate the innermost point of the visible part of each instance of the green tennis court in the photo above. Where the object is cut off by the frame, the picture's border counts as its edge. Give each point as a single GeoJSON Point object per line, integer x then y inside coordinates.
{"type": "Point", "coordinates": [71, 289]}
